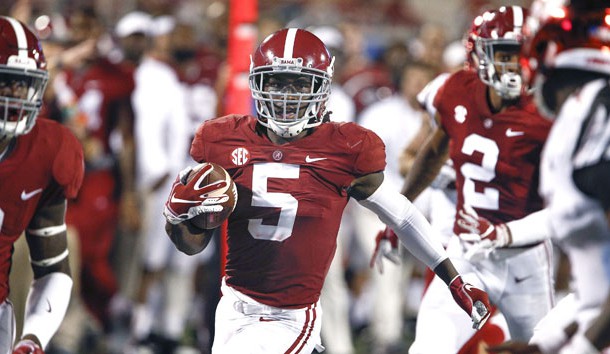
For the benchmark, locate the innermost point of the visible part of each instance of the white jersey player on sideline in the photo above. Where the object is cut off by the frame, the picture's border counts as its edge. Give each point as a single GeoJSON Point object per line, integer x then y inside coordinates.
{"type": "Point", "coordinates": [569, 68]}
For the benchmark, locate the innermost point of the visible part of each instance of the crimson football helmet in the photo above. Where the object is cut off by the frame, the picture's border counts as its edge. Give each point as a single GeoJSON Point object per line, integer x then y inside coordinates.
{"type": "Point", "coordinates": [469, 42]}
{"type": "Point", "coordinates": [564, 35]}
{"type": "Point", "coordinates": [23, 77]}
{"type": "Point", "coordinates": [290, 79]}
{"type": "Point", "coordinates": [500, 30]}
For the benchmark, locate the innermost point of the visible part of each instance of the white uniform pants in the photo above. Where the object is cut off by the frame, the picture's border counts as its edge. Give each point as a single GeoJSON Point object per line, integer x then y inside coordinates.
{"type": "Point", "coordinates": [246, 326]}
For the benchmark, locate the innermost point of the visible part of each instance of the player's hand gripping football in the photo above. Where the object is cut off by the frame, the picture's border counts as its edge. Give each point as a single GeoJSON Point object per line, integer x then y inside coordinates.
{"type": "Point", "coordinates": [187, 201]}
{"type": "Point", "coordinates": [386, 246]}
{"type": "Point", "coordinates": [484, 235]}
{"type": "Point", "coordinates": [27, 346]}
{"type": "Point", "coordinates": [473, 300]}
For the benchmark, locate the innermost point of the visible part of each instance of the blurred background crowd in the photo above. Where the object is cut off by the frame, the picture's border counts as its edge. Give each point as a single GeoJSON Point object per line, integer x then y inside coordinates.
{"type": "Point", "coordinates": [134, 78]}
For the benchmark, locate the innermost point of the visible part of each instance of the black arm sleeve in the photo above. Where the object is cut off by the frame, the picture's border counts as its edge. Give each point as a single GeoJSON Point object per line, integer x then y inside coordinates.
{"type": "Point", "coordinates": [594, 181]}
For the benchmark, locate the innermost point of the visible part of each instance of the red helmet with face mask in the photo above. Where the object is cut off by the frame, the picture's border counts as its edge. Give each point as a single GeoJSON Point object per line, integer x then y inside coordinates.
{"type": "Point", "coordinates": [565, 35]}
{"type": "Point", "coordinates": [500, 31]}
{"type": "Point", "coordinates": [23, 78]}
{"type": "Point", "coordinates": [291, 54]}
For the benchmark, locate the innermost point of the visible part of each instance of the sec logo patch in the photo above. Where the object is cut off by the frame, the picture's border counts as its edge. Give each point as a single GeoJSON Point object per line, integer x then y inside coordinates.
{"type": "Point", "coordinates": [240, 156]}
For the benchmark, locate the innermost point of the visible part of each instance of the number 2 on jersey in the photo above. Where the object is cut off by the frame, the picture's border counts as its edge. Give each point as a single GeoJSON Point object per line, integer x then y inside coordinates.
{"type": "Point", "coordinates": [261, 197]}
{"type": "Point", "coordinates": [489, 198]}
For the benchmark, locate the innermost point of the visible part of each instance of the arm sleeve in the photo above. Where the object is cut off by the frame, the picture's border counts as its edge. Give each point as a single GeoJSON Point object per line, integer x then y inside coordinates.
{"type": "Point", "coordinates": [411, 227]}
{"type": "Point", "coordinates": [530, 229]}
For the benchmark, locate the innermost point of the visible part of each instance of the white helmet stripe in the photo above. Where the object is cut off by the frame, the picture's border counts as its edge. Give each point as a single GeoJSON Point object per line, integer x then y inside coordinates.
{"type": "Point", "coordinates": [22, 41]}
{"type": "Point", "coordinates": [517, 18]}
{"type": "Point", "coordinates": [289, 44]}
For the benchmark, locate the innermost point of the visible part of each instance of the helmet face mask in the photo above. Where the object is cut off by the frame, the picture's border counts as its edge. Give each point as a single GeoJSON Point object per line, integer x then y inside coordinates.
{"type": "Point", "coordinates": [499, 67]}
{"type": "Point", "coordinates": [497, 38]}
{"type": "Point", "coordinates": [23, 78]}
{"type": "Point", "coordinates": [291, 86]}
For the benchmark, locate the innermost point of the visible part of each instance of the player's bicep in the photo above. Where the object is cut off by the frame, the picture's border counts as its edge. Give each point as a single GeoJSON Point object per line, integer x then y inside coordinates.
{"type": "Point", "coordinates": [362, 187]}
{"type": "Point", "coordinates": [47, 240]}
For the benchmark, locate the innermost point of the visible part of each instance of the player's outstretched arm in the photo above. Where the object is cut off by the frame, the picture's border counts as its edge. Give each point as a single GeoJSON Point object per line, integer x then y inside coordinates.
{"type": "Point", "coordinates": [50, 290]}
{"type": "Point", "coordinates": [428, 162]}
{"type": "Point", "coordinates": [417, 235]}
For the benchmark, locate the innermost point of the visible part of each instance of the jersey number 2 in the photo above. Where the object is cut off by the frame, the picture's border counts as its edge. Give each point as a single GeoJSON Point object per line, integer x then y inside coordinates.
{"type": "Point", "coordinates": [488, 198]}
{"type": "Point", "coordinates": [287, 204]}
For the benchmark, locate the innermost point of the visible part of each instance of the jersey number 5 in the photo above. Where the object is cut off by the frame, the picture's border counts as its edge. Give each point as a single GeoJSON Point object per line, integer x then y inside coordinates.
{"type": "Point", "coordinates": [287, 204]}
{"type": "Point", "coordinates": [488, 198]}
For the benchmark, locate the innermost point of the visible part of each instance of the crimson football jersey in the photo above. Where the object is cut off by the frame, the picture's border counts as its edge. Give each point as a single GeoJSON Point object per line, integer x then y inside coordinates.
{"type": "Point", "coordinates": [102, 90]}
{"type": "Point", "coordinates": [282, 234]}
{"type": "Point", "coordinates": [496, 155]}
{"type": "Point", "coordinates": [43, 163]}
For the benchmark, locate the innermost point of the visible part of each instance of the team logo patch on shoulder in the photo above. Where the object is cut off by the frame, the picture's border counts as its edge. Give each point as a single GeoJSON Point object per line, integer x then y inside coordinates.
{"type": "Point", "coordinates": [240, 156]}
{"type": "Point", "coordinates": [460, 113]}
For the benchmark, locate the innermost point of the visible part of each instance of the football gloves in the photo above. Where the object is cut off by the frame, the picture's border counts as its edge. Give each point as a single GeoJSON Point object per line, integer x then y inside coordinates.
{"type": "Point", "coordinates": [386, 246]}
{"type": "Point", "coordinates": [472, 300]}
{"type": "Point", "coordinates": [27, 346]}
{"type": "Point", "coordinates": [185, 202]}
{"type": "Point", "coordinates": [483, 235]}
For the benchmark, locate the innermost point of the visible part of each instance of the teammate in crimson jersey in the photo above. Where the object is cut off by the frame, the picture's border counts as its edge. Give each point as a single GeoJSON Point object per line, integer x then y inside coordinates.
{"type": "Point", "coordinates": [95, 98]}
{"type": "Point", "coordinates": [494, 138]}
{"type": "Point", "coordinates": [294, 172]}
{"type": "Point", "coordinates": [41, 165]}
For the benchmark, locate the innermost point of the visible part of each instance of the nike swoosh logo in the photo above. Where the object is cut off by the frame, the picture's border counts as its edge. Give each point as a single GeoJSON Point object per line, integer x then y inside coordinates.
{"type": "Point", "coordinates": [48, 306]}
{"type": "Point", "coordinates": [512, 133]}
{"type": "Point", "coordinates": [178, 200]}
{"type": "Point", "coordinates": [26, 196]}
{"type": "Point", "coordinates": [519, 280]}
{"type": "Point", "coordinates": [314, 159]}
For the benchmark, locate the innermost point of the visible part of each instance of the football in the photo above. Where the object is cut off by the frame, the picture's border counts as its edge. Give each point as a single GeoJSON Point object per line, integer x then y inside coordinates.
{"type": "Point", "coordinates": [210, 174]}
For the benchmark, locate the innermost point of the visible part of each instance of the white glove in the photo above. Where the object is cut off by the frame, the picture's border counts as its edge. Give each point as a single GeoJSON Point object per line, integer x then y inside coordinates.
{"type": "Point", "coordinates": [482, 236]}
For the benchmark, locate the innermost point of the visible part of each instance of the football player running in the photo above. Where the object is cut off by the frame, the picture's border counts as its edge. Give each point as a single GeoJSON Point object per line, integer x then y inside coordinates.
{"type": "Point", "coordinates": [41, 165]}
{"type": "Point", "coordinates": [494, 138]}
{"type": "Point", "coordinates": [568, 63]}
{"type": "Point", "coordinates": [295, 171]}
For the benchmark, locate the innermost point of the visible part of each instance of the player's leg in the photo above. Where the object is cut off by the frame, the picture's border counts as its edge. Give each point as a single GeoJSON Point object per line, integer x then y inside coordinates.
{"type": "Point", "coordinates": [387, 301]}
{"type": "Point", "coordinates": [154, 250]}
{"type": "Point", "coordinates": [442, 327]}
{"type": "Point", "coordinates": [336, 329]}
{"type": "Point", "coordinates": [528, 294]}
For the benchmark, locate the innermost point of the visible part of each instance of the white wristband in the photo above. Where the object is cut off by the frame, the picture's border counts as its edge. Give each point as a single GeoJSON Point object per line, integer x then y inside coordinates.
{"type": "Point", "coordinates": [46, 306]}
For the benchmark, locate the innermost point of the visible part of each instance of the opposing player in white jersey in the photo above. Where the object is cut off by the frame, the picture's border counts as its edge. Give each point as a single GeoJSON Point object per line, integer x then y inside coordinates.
{"type": "Point", "coordinates": [494, 137]}
{"type": "Point", "coordinates": [567, 62]}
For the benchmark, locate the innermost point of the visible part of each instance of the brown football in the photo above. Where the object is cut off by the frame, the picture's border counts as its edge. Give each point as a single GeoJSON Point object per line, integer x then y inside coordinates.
{"type": "Point", "coordinates": [225, 195]}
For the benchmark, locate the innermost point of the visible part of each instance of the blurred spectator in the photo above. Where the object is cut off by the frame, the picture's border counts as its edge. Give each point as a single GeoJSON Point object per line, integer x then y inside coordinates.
{"type": "Point", "coordinates": [396, 120]}
{"type": "Point", "coordinates": [93, 95]}
{"type": "Point", "coordinates": [161, 130]}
